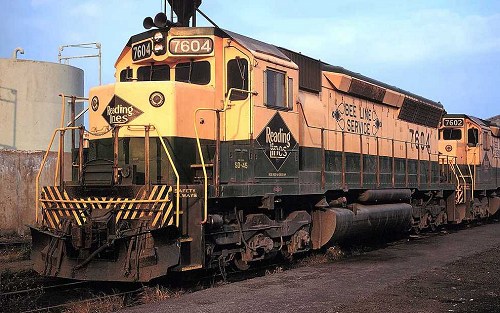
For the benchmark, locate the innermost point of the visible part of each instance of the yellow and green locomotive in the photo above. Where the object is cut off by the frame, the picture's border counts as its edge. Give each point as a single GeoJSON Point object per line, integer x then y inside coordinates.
{"type": "Point", "coordinates": [213, 148]}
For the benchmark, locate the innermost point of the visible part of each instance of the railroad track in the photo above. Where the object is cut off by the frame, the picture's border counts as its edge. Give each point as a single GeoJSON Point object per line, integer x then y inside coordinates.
{"type": "Point", "coordinates": [59, 295]}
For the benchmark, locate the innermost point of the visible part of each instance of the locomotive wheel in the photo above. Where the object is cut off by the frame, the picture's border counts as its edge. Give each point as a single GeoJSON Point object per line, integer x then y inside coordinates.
{"type": "Point", "coordinates": [240, 264]}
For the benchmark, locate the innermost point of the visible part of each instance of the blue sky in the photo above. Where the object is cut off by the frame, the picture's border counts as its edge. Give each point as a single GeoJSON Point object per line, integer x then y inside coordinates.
{"type": "Point", "coordinates": [447, 51]}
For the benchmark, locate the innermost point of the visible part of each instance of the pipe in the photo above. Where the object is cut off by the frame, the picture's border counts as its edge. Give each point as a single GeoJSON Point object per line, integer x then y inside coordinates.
{"type": "Point", "coordinates": [14, 53]}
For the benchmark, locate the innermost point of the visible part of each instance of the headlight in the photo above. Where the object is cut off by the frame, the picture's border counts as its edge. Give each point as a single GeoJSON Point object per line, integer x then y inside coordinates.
{"type": "Point", "coordinates": [158, 37]}
{"type": "Point", "coordinates": [159, 48]}
{"type": "Point", "coordinates": [157, 99]}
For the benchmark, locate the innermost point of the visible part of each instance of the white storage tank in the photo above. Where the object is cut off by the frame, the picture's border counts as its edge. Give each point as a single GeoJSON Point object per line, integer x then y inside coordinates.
{"type": "Point", "coordinates": [30, 107]}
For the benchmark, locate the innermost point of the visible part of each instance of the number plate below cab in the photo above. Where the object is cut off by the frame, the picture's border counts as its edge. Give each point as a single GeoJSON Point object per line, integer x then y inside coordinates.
{"type": "Point", "coordinates": [142, 50]}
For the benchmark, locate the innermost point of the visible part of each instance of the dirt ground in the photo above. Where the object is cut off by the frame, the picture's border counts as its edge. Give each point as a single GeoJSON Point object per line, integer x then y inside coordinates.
{"type": "Point", "coordinates": [471, 284]}
{"type": "Point", "coordinates": [456, 272]}
{"type": "Point", "coordinates": [453, 272]}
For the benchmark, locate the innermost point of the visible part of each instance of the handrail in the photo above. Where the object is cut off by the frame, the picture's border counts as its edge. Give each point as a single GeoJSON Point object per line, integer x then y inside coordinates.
{"type": "Point", "coordinates": [465, 182]}
{"type": "Point", "coordinates": [44, 160]}
{"type": "Point", "coordinates": [177, 196]}
{"type": "Point", "coordinates": [473, 180]}
{"type": "Point", "coordinates": [40, 170]}
{"type": "Point", "coordinates": [198, 143]}
{"type": "Point", "coordinates": [63, 113]}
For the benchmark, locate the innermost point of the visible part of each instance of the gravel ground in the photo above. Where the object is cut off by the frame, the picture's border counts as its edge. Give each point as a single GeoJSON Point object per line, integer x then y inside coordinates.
{"type": "Point", "coordinates": [456, 272]}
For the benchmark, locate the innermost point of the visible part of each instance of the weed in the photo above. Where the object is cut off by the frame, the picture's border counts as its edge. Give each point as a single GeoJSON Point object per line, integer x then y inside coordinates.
{"type": "Point", "coordinates": [105, 304]}
{"type": "Point", "coordinates": [158, 293]}
{"type": "Point", "coordinates": [276, 270]}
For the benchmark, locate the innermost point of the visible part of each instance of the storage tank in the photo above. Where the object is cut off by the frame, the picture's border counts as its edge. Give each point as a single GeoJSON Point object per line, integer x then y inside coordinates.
{"type": "Point", "coordinates": [30, 107]}
{"type": "Point", "coordinates": [30, 111]}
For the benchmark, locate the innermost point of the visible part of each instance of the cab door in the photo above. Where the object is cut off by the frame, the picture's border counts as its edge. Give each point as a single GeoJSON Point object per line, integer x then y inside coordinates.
{"type": "Point", "coordinates": [236, 153]}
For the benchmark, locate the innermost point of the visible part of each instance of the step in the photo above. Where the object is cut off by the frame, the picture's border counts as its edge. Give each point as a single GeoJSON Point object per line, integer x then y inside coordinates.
{"type": "Point", "coordinates": [195, 166]}
{"type": "Point", "coordinates": [185, 268]}
{"type": "Point", "coordinates": [185, 239]}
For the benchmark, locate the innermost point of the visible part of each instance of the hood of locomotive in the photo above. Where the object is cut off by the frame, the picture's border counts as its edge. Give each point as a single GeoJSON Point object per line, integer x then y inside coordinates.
{"type": "Point", "coordinates": [167, 106]}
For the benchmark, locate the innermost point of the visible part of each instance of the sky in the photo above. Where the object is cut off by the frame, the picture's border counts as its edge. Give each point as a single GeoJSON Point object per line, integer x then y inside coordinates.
{"type": "Point", "coordinates": [444, 50]}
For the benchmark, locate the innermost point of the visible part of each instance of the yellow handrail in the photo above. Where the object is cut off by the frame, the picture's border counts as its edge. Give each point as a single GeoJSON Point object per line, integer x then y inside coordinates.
{"type": "Point", "coordinates": [63, 113]}
{"type": "Point", "coordinates": [37, 180]}
{"type": "Point", "coordinates": [177, 196]}
{"type": "Point", "coordinates": [44, 160]}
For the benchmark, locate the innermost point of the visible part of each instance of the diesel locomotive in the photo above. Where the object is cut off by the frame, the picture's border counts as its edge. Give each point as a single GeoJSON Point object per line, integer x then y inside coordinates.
{"type": "Point", "coordinates": [214, 149]}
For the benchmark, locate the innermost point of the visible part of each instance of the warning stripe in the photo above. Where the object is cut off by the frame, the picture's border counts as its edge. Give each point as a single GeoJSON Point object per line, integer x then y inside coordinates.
{"type": "Point", "coordinates": [77, 213]}
{"type": "Point", "coordinates": [155, 204]}
{"type": "Point", "coordinates": [161, 209]}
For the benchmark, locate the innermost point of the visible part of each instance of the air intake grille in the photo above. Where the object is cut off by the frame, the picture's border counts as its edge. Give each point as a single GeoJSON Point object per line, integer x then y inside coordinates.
{"type": "Point", "coordinates": [420, 113]}
{"type": "Point", "coordinates": [366, 90]}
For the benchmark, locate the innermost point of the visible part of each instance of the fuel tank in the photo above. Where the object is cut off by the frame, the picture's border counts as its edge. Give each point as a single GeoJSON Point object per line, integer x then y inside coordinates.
{"type": "Point", "coordinates": [385, 196]}
{"type": "Point", "coordinates": [336, 225]}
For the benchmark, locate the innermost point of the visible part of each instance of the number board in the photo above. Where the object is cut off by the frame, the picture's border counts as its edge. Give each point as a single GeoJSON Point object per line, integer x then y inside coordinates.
{"type": "Point", "coordinates": [191, 46]}
{"type": "Point", "coordinates": [142, 50]}
{"type": "Point", "coordinates": [455, 122]}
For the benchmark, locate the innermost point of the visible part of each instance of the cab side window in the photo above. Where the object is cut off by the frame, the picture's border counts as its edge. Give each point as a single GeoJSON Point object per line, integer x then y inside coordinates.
{"type": "Point", "coordinates": [278, 89]}
{"type": "Point", "coordinates": [486, 140]}
{"type": "Point", "coordinates": [472, 137]}
{"type": "Point", "coordinates": [237, 77]}
{"type": "Point", "coordinates": [275, 95]}
{"type": "Point", "coordinates": [126, 75]}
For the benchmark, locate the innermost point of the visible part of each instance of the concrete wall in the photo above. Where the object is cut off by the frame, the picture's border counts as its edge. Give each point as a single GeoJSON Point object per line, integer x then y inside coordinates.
{"type": "Point", "coordinates": [30, 108]}
{"type": "Point", "coordinates": [18, 170]}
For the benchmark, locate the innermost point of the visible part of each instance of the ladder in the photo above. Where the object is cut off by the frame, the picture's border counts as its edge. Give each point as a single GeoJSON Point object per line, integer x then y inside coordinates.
{"type": "Point", "coordinates": [465, 183]}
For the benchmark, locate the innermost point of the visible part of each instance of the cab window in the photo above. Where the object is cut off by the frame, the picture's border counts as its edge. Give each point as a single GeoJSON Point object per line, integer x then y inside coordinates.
{"type": "Point", "coordinates": [153, 73]}
{"type": "Point", "coordinates": [451, 134]}
{"type": "Point", "coordinates": [275, 95]}
{"type": "Point", "coordinates": [126, 75]}
{"type": "Point", "coordinates": [486, 140]}
{"type": "Point", "coordinates": [237, 77]}
{"type": "Point", "coordinates": [472, 137]}
{"type": "Point", "coordinates": [193, 72]}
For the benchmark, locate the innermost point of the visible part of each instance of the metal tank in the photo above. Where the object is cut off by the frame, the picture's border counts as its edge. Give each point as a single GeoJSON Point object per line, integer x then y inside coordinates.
{"type": "Point", "coordinates": [30, 110]}
{"type": "Point", "coordinates": [30, 107]}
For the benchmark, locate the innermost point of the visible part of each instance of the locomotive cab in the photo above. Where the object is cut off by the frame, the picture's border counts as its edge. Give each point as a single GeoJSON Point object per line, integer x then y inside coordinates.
{"type": "Point", "coordinates": [467, 146]}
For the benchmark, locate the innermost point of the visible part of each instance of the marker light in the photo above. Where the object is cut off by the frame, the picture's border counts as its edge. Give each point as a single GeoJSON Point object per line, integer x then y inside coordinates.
{"type": "Point", "coordinates": [159, 48]}
{"type": "Point", "coordinates": [157, 99]}
{"type": "Point", "coordinates": [158, 37]}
